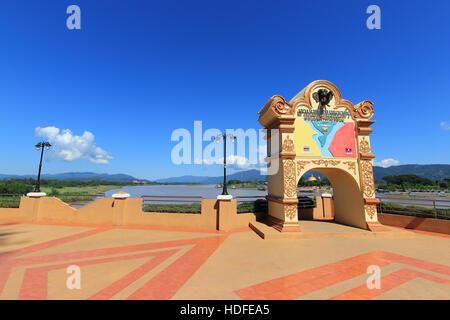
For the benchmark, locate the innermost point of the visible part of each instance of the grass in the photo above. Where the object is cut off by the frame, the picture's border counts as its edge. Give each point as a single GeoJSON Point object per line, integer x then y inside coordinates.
{"type": "Point", "coordinates": [245, 207]}
{"type": "Point", "coordinates": [251, 185]}
{"type": "Point", "coordinates": [196, 208]}
{"type": "Point", "coordinates": [9, 201]}
{"type": "Point", "coordinates": [78, 195]}
{"type": "Point", "coordinates": [173, 208]}
{"type": "Point", "coordinates": [79, 190]}
{"type": "Point", "coordinates": [252, 206]}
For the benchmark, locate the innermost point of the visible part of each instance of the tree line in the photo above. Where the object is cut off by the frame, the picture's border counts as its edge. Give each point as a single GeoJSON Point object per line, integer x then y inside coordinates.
{"type": "Point", "coordinates": [410, 182]}
{"type": "Point", "coordinates": [405, 182]}
{"type": "Point", "coordinates": [23, 186]}
{"type": "Point", "coordinates": [389, 183]}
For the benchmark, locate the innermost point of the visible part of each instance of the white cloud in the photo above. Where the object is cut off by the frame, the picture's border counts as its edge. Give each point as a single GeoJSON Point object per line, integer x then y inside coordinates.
{"type": "Point", "coordinates": [238, 162]}
{"type": "Point", "coordinates": [386, 163]}
{"type": "Point", "coordinates": [233, 161]}
{"type": "Point", "coordinates": [445, 125]}
{"type": "Point", "coordinates": [69, 147]}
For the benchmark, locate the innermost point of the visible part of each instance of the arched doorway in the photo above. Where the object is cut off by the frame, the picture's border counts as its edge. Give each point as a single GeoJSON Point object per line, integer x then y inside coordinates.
{"type": "Point", "coordinates": [346, 199]}
{"type": "Point", "coordinates": [318, 130]}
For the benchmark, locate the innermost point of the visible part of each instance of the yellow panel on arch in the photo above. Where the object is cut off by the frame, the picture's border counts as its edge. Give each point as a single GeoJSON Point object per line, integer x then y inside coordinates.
{"type": "Point", "coordinates": [304, 142]}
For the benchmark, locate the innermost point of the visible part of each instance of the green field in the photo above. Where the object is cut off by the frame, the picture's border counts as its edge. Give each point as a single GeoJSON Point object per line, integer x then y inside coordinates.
{"type": "Point", "coordinates": [9, 201]}
{"type": "Point", "coordinates": [243, 207]}
{"type": "Point", "coordinates": [79, 194]}
{"type": "Point", "coordinates": [173, 208]}
{"type": "Point", "coordinates": [246, 186]}
{"type": "Point", "coordinates": [79, 190]}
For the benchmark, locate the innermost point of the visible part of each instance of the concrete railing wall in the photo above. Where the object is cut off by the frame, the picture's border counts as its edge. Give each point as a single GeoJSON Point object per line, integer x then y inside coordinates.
{"type": "Point", "coordinates": [215, 214]}
{"type": "Point", "coordinates": [415, 223]}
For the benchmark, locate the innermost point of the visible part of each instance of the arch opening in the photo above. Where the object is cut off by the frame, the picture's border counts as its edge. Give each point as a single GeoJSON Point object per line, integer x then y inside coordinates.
{"type": "Point", "coordinates": [347, 201]}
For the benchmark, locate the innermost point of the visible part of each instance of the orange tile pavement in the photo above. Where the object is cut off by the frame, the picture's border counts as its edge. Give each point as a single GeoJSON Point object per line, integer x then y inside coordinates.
{"type": "Point", "coordinates": [390, 281]}
{"type": "Point", "coordinates": [169, 263]}
{"type": "Point", "coordinates": [302, 283]}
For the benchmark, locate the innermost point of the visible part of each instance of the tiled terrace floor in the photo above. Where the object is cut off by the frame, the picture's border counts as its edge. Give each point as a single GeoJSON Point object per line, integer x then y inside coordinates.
{"type": "Point", "coordinates": [160, 263]}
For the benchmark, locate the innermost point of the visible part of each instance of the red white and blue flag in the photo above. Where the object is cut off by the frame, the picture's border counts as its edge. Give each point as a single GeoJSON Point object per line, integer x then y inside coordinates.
{"type": "Point", "coordinates": [348, 150]}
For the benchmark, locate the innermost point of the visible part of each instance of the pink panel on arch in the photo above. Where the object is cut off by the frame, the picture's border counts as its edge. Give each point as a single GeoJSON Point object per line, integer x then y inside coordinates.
{"type": "Point", "coordinates": [343, 144]}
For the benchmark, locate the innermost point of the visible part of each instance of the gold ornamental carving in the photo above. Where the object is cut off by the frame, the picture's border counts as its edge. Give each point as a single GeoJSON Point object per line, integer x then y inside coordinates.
{"type": "Point", "coordinates": [290, 211]}
{"type": "Point", "coordinates": [281, 106]}
{"type": "Point", "coordinates": [371, 210]}
{"type": "Point", "coordinates": [351, 166]}
{"type": "Point", "coordinates": [301, 165]}
{"type": "Point", "coordinates": [326, 163]}
{"type": "Point", "coordinates": [367, 179]}
{"type": "Point", "coordinates": [364, 146]}
{"type": "Point", "coordinates": [288, 145]}
{"type": "Point", "coordinates": [364, 110]}
{"type": "Point", "coordinates": [290, 185]}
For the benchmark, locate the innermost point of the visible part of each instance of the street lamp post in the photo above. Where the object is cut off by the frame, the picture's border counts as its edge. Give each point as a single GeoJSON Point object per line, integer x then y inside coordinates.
{"type": "Point", "coordinates": [232, 138]}
{"type": "Point", "coordinates": [40, 146]}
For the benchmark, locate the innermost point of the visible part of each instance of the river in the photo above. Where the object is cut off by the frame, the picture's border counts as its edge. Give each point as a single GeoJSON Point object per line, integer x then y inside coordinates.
{"type": "Point", "coordinates": [205, 191]}
{"type": "Point", "coordinates": [211, 192]}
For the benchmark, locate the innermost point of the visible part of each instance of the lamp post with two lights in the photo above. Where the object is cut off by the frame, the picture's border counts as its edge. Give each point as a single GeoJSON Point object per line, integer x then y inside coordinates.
{"type": "Point", "coordinates": [233, 139]}
{"type": "Point", "coordinates": [41, 146]}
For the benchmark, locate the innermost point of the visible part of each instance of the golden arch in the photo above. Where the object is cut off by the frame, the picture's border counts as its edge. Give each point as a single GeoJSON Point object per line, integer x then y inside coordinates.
{"type": "Point", "coordinates": [319, 130]}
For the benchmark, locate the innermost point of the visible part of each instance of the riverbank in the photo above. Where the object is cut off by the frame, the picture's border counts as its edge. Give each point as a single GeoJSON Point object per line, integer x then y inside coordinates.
{"type": "Point", "coordinates": [80, 190]}
{"type": "Point", "coordinates": [244, 185]}
{"type": "Point", "coordinates": [419, 194]}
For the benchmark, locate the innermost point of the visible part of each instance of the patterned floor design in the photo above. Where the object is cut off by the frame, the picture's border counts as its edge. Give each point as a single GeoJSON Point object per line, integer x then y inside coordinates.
{"type": "Point", "coordinates": [159, 269]}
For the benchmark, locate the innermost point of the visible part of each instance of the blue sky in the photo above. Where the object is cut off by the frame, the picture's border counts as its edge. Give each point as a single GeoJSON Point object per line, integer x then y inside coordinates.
{"type": "Point", "coordinates": [137, 70]}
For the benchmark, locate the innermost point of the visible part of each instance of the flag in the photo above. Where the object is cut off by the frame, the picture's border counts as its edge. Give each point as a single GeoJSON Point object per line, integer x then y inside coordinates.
{"type": "Point", "coordinates": [306, 149]}
{"type": "Point", "coordinates": [348, 150]}
{"type": "Point", "coordinates": [325, 129]}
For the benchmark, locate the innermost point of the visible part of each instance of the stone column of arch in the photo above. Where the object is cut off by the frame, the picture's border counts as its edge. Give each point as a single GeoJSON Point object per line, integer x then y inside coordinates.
{"type": "Point", "coordinates": [364, 112]}
{"type": "Point", "coordinates": [278, 117]}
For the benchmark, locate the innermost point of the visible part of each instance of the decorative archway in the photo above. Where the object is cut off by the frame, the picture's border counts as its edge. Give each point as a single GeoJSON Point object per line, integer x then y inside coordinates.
{"type": "Point", "coordinates": [318, 130]}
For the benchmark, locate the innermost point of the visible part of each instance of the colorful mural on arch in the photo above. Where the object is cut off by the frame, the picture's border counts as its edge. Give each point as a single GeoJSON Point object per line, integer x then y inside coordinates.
{"type": "Point", "coordinates": [325, 139]}
{"type": "Point", "coordinates": [324, 133]}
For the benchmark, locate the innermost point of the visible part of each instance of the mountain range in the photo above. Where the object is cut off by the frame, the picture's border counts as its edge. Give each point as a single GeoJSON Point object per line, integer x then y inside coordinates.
{"type": "Point", "coordinates": [430, 171]}
{"type": "Point", "coordinates": [249, 175]}
{"type": "Point", "coordinates": [69, 176]}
